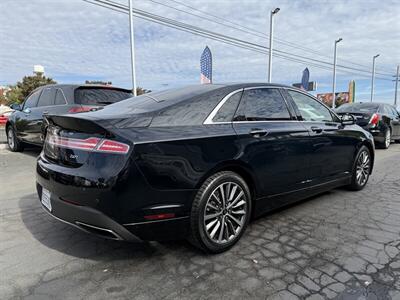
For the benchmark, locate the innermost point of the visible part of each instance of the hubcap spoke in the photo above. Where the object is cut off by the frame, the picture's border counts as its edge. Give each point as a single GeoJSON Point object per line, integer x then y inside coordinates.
{"type": "Point", "coordinates": [213, 216]}
{"type": "Point", "coordinates": [238, 197]}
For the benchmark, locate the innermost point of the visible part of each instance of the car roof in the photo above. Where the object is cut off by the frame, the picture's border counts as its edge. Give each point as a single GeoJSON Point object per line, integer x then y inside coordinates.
{"type": "Point", "coordinates": [376, 103]}
{"type": "Point", "coordinates": [75, 86]}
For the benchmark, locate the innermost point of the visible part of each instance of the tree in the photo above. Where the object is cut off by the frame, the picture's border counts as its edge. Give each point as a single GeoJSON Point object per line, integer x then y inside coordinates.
{"type": "Point", "coordinates": [23, 88]}
{"type": "Point", "coordinates": [29, 83]}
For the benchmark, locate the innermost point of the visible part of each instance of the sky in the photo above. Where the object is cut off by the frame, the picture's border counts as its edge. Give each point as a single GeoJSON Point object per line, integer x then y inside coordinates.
{"type": "Point", "coordinates": [77, 41]}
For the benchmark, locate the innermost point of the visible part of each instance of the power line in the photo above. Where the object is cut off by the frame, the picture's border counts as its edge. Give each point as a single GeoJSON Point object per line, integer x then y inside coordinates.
{"type": "Point", "coordinates": [253, 32]}
{"type": "Point", "coordinates": [206, 33]}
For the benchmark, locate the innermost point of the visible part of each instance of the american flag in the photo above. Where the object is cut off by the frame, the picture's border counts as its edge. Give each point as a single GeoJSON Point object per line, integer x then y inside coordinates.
{"type": "Point", "coordinates": [206, 66]}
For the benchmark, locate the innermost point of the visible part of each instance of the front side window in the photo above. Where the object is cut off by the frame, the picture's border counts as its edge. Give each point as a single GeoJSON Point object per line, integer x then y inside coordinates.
{"type": "Point", "coordinates": [227, 110]}
{"type": "Point", "coordinates": [262, 104]}
{"type": "Point", "coordinates": [32, 100]}
{"type": "Point", "coordinates": [310, 109]}
{"type": "Point", "coordinates": [47, 97]}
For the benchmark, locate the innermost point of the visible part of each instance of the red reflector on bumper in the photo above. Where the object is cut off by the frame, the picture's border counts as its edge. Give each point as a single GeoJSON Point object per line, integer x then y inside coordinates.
{"type": "Point", "coordinates": [159, 216]}
{"type": "Point", "coordinates": [70, 202]}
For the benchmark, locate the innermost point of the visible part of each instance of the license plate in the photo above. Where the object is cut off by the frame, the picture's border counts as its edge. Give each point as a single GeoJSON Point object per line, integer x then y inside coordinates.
{"type": "Point", "coordinates": [46, 199]}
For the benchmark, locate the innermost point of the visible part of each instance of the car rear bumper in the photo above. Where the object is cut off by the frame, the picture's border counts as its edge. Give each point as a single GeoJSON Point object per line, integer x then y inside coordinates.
{"type": "Point", "coordinates": [114, 212]}
{"type": "Point", "coordinates": [86, 218]}
{"type": "Point", "coordinates": [377, 133]}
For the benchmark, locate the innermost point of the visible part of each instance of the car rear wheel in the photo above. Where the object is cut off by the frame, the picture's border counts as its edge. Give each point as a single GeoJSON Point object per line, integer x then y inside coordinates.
{"type": "Point", "coordinates": [14, 144]}
{"type": "Point", "coordinates": [361, 169]}
{"type": "Point", "coordinates": [220, 212]}
{"type": "Point", "coordinates": [387, 140]}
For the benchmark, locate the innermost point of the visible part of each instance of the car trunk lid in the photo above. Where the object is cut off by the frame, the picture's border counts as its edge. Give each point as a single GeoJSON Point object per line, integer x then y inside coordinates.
{"type": "Point", "coordinates": [362, 119]}
{"type": "Point", "coordinates": [71, 141]}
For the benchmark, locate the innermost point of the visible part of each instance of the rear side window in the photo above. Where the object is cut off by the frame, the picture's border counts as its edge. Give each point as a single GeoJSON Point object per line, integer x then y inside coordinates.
{"type": "Point", "coordinates": [227, 110]}
{"type": "Point", "coordinates": [310, 108]}
{"type": "Point", "coordinates": [32, 100]}
{"type": "Point", "coordinates": [100, 96]}
{"type": "Point", "coordinates": [60, 99]}
{"type": "Point", "coordinates": [192, 111]}
{"type": "Point", "coordinates": [47, 97]}
{"type": "Point", "coordinates": [262, 105]}
{"type": "Point", "coordinates": [387, 109]}
{"type": "Point", "coordinates": [394, 111]}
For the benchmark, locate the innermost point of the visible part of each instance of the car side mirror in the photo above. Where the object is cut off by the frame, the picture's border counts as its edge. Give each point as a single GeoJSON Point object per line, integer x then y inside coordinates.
{"type": "Point", "coordinates": [348, 119]}
{"type": "Point", "coordinates": [16, 106]}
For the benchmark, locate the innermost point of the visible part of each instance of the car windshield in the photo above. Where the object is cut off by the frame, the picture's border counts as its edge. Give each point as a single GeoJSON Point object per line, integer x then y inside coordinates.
{"type": "Point", "coordinates": [358, 107]}
{"type": "Point", "coordinates": [100, 95]}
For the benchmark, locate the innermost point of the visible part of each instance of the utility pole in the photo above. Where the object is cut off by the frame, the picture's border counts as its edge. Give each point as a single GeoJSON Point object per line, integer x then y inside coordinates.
{"type": "Point", "coordinates": [334, 73]}
{"type": "Point", "coordinates": [271, 37]}
{"type": "Point", "coordinates": [373, 76]}
{"type": "Point", "coordinates": [396, 85]}
{"type": "Point", "coordinates": [132, 49]}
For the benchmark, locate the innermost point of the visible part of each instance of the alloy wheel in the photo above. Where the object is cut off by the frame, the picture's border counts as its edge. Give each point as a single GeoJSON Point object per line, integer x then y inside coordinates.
{"type": "Point", "coordinates": [363, 168]}
{"type": "Point", "coordinates": [10, 138]}
{"type": "Point", "coordinates": [225, 212]}
{"type": "Point", "coordinates": [387, 139]}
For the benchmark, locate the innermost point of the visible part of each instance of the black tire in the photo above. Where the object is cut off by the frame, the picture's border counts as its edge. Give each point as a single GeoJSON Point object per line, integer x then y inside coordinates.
{"type": "Point", "coordinates": [357, 184]}
{"type": "Point", "coordinates": [204, 203]}
{"type": "Point", "coordinates": [14, 144]}
{"type": "Point", "coordinates": [386, 143]}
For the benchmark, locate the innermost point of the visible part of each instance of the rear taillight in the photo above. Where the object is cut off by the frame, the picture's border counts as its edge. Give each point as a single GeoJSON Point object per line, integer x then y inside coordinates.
{"type": "Point", "coordinates": [113, 147]}
{"type": "Point", "coordinates": [90, 144]}
{"type": "Point", "coordinates": [78, 109]}
{"type": "Point", "coordinates": [374, 119]}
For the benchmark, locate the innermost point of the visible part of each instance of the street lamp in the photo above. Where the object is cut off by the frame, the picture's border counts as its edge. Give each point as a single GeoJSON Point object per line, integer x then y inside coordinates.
{"type": "Point", "coordinates": [395, 89]}
{"type": "Point", "coordinates": [132, 36]}
{"type": "Point", "coordinates": [334, 74]}
{"type": "Point", "coordinates": [373, 76]}
{"type": "Point", "coordinates": [271, 34]}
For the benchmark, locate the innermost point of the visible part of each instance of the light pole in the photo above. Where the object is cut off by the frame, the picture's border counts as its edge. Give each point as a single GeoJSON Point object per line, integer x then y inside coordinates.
{"type": "Point", "coordinates": [271, 37]}
{"type": "Point", "coordinates": [396, 85]}
{"type": "Point", "coordinates": [334, 74]}
{"type": "Point", "coordinates": [132, 35]}
{"type": "Point", "coordinates": [373, 76]}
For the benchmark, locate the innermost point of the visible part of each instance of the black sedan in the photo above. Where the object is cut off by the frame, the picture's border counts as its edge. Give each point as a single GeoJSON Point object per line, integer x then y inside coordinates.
{"type": "Point", "coordinates": [25, 124]}
{"type": "Point", "coordinates": [381, 119]}
{"type": "Point", "coordinates": [197, 162]}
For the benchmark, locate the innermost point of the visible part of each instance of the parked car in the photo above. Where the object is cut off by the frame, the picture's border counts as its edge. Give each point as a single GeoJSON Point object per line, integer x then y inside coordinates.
{"type": "Point", "coordinates": [197, 162]}
{"type": "Point", "coordinates": [25, 125]}
{"type": "Point", "coordinates": [381, 119]}
{"type": "Point", "coordinates": [5, 112]}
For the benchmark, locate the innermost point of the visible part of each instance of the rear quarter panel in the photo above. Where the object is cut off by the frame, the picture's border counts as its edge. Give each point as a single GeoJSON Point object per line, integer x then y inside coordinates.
{"type": "Point", "coordinates": [170, 162]}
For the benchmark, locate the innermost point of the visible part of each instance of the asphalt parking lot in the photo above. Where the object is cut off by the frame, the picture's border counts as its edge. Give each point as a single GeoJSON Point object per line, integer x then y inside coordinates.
{"type": "Point", "coordinates": [342, 244]}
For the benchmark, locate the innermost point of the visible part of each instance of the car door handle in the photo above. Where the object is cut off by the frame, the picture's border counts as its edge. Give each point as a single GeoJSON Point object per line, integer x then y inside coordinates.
{"type": "Point", "coordinates": [258, 132]}
{"type": "Point", "coordinates": [316, 129]}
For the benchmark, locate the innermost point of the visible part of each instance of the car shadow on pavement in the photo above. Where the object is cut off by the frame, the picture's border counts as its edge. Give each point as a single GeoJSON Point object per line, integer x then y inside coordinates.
{"type": "Point", "coordinates": [72, 241]}
{"type": "Point", "coordinates": [32, 151]}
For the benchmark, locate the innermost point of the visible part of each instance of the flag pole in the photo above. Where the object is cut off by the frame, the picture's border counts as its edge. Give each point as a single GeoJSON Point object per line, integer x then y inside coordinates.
{"type": "Point", "coordinates": [132, 35]}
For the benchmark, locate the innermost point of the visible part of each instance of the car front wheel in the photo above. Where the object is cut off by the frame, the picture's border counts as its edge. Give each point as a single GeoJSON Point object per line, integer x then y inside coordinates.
{"type": "Point", "coordinates": [220, 212]}
{"type": "Point", "coordinates": [361, 169]}
{"type": "Point", "coordinates": [13, 143]}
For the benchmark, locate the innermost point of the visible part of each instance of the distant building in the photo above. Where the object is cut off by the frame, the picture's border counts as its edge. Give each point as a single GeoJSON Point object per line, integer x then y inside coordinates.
{"type": "Point", "coordinates": [4, 90]}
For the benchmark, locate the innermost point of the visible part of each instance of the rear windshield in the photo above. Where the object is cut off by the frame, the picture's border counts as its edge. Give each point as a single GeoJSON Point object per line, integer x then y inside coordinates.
{"type": "Point", "coordinates": [100, 96]}
{"type": "Point", "coordinates": [359, 107]}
